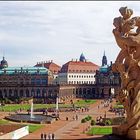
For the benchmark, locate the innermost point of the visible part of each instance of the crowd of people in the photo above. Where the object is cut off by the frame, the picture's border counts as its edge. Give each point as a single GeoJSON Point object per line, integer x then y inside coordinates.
{"type": "Point", "coordinates": [47, 136]}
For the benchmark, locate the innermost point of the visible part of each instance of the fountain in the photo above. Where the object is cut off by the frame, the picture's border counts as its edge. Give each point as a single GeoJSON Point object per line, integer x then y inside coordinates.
{"type": "Point", "coordinates": [31, 114]}
{"type": "Point", "coordinates": [32, 118]}
{"type": "Point", "coordinates": [57, 101]}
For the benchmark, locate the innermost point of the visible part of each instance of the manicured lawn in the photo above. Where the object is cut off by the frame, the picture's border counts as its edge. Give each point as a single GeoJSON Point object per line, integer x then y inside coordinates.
{"type": "Point", "coordinates": [4, 122]}
{"type": "Point", "coordinates": [100, 131]}
{"type": "Point", "coordinates": [85, 102]}
{"type": "Point", "coordinates": [35, 127]}
{"type": "Point", "coordinates": [15, 107]}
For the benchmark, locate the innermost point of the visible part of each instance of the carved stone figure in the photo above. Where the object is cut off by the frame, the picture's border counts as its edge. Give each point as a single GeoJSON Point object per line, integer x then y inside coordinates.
{"type": "Point", "coordinates": [128, 65]}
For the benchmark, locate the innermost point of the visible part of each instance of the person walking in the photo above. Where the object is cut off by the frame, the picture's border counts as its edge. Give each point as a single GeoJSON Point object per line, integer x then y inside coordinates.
{"type": "Point", "coordinates": [49, 136]}
{"type": "Point", "coordinates": [41, 136]}
{"type": "Point", "coordinates": [52, 136]}
{"type": "Point", "coordinates": [76, 117]}
{"type": "Point", "coordinates": [45, 136]}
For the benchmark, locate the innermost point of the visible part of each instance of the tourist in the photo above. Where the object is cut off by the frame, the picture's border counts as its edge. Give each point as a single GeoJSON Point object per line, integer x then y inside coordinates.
{"type": "Point", "coordinates": [52, 136]}
{"type": "Point", "coordinates": [73, 118]}
{"type": "Point", "coordinates": [76, 117]}
{"type": "Point", "coordinates": [67, 118]}
{"type": "Point", "coordinates": [45, 136]}
{"type": "Point", "coordinates": [49, 136]}
{"type": "Point", "coordinates": [41, 136]}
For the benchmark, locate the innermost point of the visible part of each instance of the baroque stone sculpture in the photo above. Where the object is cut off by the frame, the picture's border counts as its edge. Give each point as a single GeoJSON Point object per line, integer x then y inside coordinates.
{"type": "Point", "coordinates": [127, 35]}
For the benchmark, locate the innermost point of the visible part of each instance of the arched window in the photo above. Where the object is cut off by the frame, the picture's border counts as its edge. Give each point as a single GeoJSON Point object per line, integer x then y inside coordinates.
{"type": "Point", "coordinates": [38, 92]}
{"type": "Point", "coordinates": [32, 92]}
{"type": "Point", "coordinates": [27, 93]}
{"type": "Point", "coordinates": [21, 93]}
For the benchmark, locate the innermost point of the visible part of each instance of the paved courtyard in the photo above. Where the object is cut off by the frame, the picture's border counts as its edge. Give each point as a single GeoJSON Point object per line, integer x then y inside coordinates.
{"type": "Point", "coordinates": [72, 129]}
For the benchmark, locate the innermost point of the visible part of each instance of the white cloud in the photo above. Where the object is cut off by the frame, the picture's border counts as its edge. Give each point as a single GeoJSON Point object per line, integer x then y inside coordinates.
{"type": "Point", "coordinates": [37, 31]}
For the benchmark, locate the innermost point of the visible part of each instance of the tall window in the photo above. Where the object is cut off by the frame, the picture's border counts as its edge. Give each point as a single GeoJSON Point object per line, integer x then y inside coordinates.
{"type": "Point", "coordinates": [38, 81]}
{"type": "Point", "coordinates": [32, 81]}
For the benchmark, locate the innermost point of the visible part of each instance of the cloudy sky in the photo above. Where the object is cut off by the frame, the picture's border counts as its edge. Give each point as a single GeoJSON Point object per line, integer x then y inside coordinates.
{"type": "Point", "coordinates": [38, 31]}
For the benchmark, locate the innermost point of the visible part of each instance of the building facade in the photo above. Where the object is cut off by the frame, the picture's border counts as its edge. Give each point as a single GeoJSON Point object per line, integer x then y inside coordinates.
{"type": "Point", "coordinates": [76, 79]}
{"type": "Point", "coordinates": [78, 72]}
{"type": "Point", "coordinates": [53, 67]}
{"type": "Point", "coordinates": [107, 82]}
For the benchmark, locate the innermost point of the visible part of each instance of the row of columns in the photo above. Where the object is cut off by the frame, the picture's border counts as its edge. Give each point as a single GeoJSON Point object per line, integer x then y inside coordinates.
{"type": "Point", "coordinates": [28, 92]}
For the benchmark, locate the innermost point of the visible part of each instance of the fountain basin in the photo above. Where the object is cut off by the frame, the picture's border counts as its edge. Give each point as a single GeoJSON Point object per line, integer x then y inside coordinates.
{"type": "Point", "coordinates": [38, 118]}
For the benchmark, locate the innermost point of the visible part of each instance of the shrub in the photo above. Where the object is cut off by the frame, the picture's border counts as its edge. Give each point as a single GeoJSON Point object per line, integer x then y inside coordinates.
{"type": "Point", "coordinates": [108, 122]}
{"type": "Point", "coordinates": [92, 122]}
{"type": "Point", "coordinates": [88, 118]}
{"type": "Point", "coordinates": [83, 120]}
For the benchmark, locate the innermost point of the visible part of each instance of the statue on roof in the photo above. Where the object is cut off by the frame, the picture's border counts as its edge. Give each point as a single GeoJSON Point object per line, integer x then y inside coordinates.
{"type": "Point", "coordinates": [128, 65]}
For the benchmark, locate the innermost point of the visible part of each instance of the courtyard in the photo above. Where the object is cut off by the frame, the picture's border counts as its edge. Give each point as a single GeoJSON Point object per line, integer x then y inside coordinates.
{"type": "Point", "coordinates": [70, 127]}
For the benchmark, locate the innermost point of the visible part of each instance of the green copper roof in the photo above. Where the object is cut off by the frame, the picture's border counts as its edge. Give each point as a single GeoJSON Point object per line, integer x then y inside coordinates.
{"type": "Point", "coordinates": [29, 70]}
{"type": "Point", "coordinates": [104, 68]}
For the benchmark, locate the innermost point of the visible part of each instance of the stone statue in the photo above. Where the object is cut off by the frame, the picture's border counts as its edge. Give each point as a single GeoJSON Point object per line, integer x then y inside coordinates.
{"type": "Point", "coordinates": [127, 35]}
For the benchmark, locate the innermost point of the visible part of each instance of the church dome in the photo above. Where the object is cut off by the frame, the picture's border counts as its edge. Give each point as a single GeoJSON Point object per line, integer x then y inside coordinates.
{"type": "Point", "coordinates": [4, 63]}
{"type": "Point", "coordinates": [82, 58]}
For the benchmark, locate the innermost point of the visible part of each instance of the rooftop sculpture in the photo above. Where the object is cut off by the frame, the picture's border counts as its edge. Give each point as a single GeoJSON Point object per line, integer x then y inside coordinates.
{"type": "Point", "coordinates": [127, 35]}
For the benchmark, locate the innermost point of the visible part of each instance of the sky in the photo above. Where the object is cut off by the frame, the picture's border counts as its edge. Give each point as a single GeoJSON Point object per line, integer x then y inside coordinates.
{"type": "Point", "coordinates": [35, 31]}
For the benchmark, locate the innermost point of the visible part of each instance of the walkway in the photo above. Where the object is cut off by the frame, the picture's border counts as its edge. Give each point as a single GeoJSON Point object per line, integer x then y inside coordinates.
{"type": "Point", "coordinates": [71, 129]}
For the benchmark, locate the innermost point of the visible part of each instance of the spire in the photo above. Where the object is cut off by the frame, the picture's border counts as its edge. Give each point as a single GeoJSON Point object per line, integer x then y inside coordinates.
{"type": "Point", "coordinates": [104, 53]}
{"type": "Point", "coordinates": [104, 59]}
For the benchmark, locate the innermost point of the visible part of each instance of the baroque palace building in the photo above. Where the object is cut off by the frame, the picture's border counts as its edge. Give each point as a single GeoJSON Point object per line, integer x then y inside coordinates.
{"type": "Point", "coordinates": [47, 80]}
{"type": "Point", "coordinates": [78, 72]}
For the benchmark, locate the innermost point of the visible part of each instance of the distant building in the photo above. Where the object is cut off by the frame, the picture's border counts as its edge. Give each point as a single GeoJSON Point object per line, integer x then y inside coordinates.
{"type": "Point", "coordinates": [54, 68]}
{"type": "Point", "coordinates": [107, 81]}
{"type": "Point", "coordinates": [78, 72]}
{"type": "Point", "coordinates": [25, 82]}
{"type": "Point", "coordinates": [3, 63]}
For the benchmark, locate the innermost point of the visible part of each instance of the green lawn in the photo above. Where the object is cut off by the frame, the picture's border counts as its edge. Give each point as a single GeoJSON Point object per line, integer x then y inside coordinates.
{"type": "Point", "coordinates": [34, 127]}
{"type": "Point", "coordinates": [15, 107]}
{"type": "Point", "coordinates": [4, 122]}
{"type": "Point", "coordinates": [85, 102]}
{"type": "Point", "coordinates": [100, 131]}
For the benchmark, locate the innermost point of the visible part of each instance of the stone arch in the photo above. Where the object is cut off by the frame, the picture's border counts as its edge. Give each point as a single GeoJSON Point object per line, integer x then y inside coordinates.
{"type": "Point", "coordinates": [27, 93]}
{"type": "Point", "coordinates": [43, 92]}
{"type": "Point", "coordinates": [10, 92]}
{"type": "Point", "coordinates": [5, 93]}
{"type": "Point", "coordinates": [21, 93]}
{"type": "Point", "coordinates": [33, 92]}
{"type": "Point", "coordinates": [1, 95]}
{"type": "Point", "coordinates": [38, 92]}
{"type": "Point", "coordinates": [16, 93]}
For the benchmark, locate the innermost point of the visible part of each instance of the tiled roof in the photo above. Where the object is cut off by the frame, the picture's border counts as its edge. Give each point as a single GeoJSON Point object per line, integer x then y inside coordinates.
{"type": "Point", "coordinates": [79, 67]}
{"type": "Point", "coordinates": [54, 68]}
